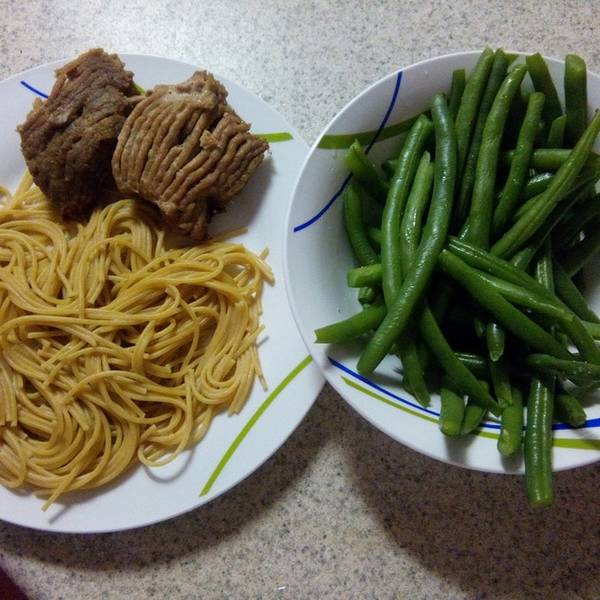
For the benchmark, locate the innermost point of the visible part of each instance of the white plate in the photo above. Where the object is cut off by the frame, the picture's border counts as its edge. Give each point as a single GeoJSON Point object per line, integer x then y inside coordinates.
{"type": "Point", "coordinates": [234, 446]}
{"type": "Point", "coordinates": [317, 256]}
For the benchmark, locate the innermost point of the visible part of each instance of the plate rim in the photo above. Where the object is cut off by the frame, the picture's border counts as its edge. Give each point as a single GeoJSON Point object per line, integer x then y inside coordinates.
{"type": "Point", "coordinates": [325, 367]}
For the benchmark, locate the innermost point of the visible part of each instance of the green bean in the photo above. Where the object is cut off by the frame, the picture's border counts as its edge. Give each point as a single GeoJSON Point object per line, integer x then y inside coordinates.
{"type": "Point", "coordinates": [590, 174]}
{"type": "Point", "coordinates": [498, 267]}
{"type": "Point", "coordinates": [413, 371]}
{"type": "Point", "coordinates": [556, 135]}
{"type": "Point", "coordinates": [581, 253]}
{"type": "Point", "coordinates": [367, 295]}
{"type": "Point", "coordinates": [575, 81]}
{"type": "Point", "coordinates": [551, 307]}
{"type": "Point", "coordinates": [542, 159]}
{"type": "Point", "coordinates": [567, 231]}
{"type": "Point", "coordinates": [569, 410]}
{"type": "Point", "coordinates": [482, 201]}
{"type": "Point", "coordinates": [410, 235]}
{"type": "Point", "coordinates": [474, 415]}
{"type": "Point", "coordinates": [475, 363]}
{"type": "Point", "coordinates": [538, 442]}
{"type": "Point", "coordinates": [536, 185]}
{"type": "Point", "coordinates": [352, 327]}
{"type": "Point", "coordinates": [519, 165]}
{"type": "Point", "coordinates": [541, 134]}
{"type": "Point", "coordinates": [501, 382]}
{"type": "Point", "coordinates": [567, 291]}
{"type": "Point", "coordinates": [461, 376]}
{"type": "Point", "coordinates": [514, 121]}
{"type": "Point", "coordinates": [433, 240]}
{"type": "Point", "coordinates": [374, 234]}
{"type": "Point", "coordinates": [530, 293]}
{"type": "Point", "coordinates": [442, 297]}
{"type": "Point", "coordinates": [469, 105]}
{"type": "Point", "coordinates": [365, 171]}
{"type": "Point", "coordinates": [497, 74]}
{"type": "Point", "coordinates": [523, 257]}
{"type": "Point", "coordinates": [546, 159]}
{"type": "Point", "coordinates": [452, 412]}
{"type": "Point", "coordinates": [582, 339]}
{"type": "Point", "coordinates": [578, 371]}
{"type": "Point", "coordinates": [544, 273]}
{"type": "Point", "coordinates": [507, 315]}
{"type": "Point", "coordinates": [355, 228]}
{"type": "Point", "coordinates": [538, 437]}
{"type": "Point", "coordinates": [518, 235]}
{"type": "Point", "coordinates": [542, 304]}
{"type": "Point", "coordinates": [495, 339]}
{"type": "Point", "coordinates": [400, 184]}
{"type": "Point", "coordinates": [511, 425]}
{"type": "Point", "coordinates": [542, 82]}
{"type": "Point", "coordinates": [531, 204]}
{"type": "Point", "coordinates": [479, 326]}
{"type": "Point", "coordinates": [418, 199]}
{"type": "Point", "coordinates": [367, 276]}
{"type": "Point", "coordinates": [424, 355]}
{"type": "Point", "coordinates": [593, 329]}
{"type": "Point", "coordinates": [457, 88]}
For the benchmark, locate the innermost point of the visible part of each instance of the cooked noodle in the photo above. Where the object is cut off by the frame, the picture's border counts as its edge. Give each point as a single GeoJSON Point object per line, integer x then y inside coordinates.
{"type": "Point", "coordinates": [114, 348]}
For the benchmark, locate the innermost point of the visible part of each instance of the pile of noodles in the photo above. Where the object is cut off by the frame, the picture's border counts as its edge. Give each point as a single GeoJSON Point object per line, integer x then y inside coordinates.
{"type": "Point", "coordinates": [115, 348]}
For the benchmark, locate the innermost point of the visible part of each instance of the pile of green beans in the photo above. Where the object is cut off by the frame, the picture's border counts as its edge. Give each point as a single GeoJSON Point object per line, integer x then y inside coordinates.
{"type": "Point", "coordinates": [489, 213]}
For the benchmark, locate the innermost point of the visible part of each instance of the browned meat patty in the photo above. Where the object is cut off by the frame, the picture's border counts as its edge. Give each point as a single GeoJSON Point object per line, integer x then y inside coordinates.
{"type": "Point", "coordinates": [186, 150]}
{"type": "Point", "coordinates": [68, 140]}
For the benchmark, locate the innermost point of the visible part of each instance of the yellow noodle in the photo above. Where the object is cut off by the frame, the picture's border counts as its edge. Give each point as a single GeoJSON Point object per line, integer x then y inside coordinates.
{"type": "Point", "coordinates": [115, 348]}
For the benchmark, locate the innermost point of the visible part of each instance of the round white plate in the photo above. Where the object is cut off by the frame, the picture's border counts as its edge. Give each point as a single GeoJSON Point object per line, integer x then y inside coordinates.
{"type": "Point", "coordinates": [317, 257]}
{"type": "Point", "coordinates": [234, 446]}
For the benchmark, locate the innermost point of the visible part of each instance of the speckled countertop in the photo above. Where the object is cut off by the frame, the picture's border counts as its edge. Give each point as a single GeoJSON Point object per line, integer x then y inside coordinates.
{"type": "Point", "coordinates": [341, 511]}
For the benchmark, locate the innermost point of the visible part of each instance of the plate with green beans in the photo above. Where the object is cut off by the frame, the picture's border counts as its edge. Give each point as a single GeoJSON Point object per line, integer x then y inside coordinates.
{"type": "Point", "coordinates": [440, 257]}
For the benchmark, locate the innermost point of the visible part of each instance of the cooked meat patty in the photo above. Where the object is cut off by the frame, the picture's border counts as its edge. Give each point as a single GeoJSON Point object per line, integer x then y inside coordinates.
{"type": "Point", "coordinates": [186, 150]}
{"type": "Point", "coordinates": [69, 139]}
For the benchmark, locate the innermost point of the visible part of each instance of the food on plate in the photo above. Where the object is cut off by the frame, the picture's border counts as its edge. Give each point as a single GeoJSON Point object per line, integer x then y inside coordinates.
{"type": "Point", "coordinates": [115, 349]}
{"type": "Point", "coordinates": [187, 151]}
{"type": "Point", "coordinates": [68, 140]}
{"type": "Point", "coordinates": [181, 147]}
{"type": "Point", "coordinates": [120, 343]}
{"type": "Point", "coordinates": [472, 273]}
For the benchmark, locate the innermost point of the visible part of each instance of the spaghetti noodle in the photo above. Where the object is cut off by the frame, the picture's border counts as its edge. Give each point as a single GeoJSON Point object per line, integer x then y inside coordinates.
{"type": "Point", "coordinates": [114, 347]}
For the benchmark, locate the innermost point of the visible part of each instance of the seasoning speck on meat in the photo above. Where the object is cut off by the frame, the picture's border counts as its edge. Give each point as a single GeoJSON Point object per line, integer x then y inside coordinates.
{"type": "Point", "coordinates": [186, 150]}
{"type": "Point", "coordinates": [68, 140]}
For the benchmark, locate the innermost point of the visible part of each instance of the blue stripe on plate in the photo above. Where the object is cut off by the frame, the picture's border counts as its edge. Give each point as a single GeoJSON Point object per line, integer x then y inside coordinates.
{"type": "Point", "coordinates": [34, 90]}
{"type": "Point", "coordinates": [589, 424]}
{"type": "Point", "coordinates": [383, 123]}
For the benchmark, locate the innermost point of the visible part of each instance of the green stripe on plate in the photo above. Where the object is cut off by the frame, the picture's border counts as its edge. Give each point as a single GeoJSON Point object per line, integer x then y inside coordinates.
{"type": "Point", "coordinates": [279, 136]}
{"type": "Point", "coordinates": [252, 421]}
{"type": "Point", "coordinates": [345, 140]}
{"type": "Point", "coordinates": [576, 444]}
{"type": "Point", "coordinates": [360, 388]}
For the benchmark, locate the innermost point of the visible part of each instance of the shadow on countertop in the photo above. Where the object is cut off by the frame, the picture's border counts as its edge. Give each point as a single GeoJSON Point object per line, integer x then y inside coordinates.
{"type": "Point", "coordinates": [469, 531]}
{"type": "Point", "coordinates": [476, 530]}
{"type": "Point", "coordinates": [172, 540]}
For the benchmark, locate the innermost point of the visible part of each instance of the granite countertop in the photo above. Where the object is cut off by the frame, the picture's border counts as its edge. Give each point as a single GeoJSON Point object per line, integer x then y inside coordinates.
{"type": "Point", "coordinates": [341, 511]}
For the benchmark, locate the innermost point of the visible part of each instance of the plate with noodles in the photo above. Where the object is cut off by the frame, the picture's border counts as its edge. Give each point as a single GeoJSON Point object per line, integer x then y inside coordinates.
{"type": "Point", "coordinates": [142, 374]}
